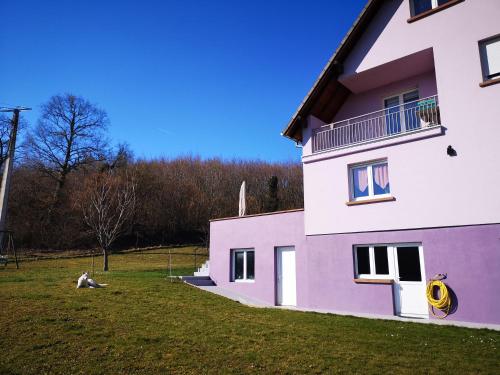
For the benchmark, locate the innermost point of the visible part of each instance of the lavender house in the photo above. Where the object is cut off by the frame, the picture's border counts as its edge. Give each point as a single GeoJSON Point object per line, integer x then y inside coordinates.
{"type": "Point", "coordinates": [401, 152]}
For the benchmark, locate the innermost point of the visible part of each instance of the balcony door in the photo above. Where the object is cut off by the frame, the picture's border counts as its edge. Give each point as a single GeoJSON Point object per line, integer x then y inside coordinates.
{"type": "Point", "coordinates": [401, 112]}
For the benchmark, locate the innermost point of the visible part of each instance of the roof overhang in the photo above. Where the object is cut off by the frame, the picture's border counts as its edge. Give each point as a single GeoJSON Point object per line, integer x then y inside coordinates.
{"type": "Point", "coordinates": [327, 94]}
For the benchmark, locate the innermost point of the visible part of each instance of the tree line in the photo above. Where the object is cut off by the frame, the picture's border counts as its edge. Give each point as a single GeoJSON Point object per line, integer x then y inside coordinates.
{"type": "Point", "coordinates": [72, 190]}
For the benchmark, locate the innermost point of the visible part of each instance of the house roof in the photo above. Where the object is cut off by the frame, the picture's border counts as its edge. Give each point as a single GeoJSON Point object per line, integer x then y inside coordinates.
{"type": "Point", "coordinates": [327, 95]}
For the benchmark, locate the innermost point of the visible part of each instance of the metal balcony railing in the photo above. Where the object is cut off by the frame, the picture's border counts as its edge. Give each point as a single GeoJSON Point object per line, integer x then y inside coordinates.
{"type": "Point", "coordinates": [386, 123]}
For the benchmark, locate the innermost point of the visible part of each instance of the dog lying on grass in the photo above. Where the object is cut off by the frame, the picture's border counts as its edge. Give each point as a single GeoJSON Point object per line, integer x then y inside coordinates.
{"type": "Point", "coordinates": [85, 282]}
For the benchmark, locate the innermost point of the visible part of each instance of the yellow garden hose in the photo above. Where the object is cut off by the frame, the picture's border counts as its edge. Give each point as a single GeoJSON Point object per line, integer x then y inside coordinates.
{"type": "Point", "coordinates": [444, 301]}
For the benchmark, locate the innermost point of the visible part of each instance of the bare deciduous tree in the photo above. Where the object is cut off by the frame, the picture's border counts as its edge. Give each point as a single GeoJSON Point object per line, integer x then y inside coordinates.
{"type": "Point", "coordinates": [107, 203]}
{"type": "Point", "coordinates": [69, 135]}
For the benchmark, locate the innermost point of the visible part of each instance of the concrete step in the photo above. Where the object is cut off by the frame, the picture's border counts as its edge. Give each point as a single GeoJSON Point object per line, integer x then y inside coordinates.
{"type": "Point", "coordinates": [198, 280]}
{"type": "Point", "coordinates": [204, 270]}
{"type": "Point", "coordinates": [201, 273]}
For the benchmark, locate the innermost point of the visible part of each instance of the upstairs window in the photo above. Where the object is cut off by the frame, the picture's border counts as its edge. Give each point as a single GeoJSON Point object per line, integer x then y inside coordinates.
{"type": "Point", "coordinates": [243, 265]}
{"type": "Point", "coordinates": [490, 58]}
{"type": "Point", "coordinates": [369, 181]}
{"type": "Point", "coordinates": [421, 6]}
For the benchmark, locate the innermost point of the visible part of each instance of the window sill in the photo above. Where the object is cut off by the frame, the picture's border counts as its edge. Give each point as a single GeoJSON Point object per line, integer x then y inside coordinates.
{"type": "Point", "coordinates": [432, 11]}
{"type": "Point", "coordinates": [374, 281]}
{"type": "Point", "coordinates": [490, 82]}
{"type": "Point", "coordinates": [243, 281]}
{"type": "Point", "coordinates": [369, 201]}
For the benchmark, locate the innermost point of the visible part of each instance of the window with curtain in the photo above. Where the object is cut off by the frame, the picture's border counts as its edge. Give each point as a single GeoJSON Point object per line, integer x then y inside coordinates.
{"type": "Point", "coordinates": [421, 6]}
{"type": "Point", "coordinates": [370, 181]}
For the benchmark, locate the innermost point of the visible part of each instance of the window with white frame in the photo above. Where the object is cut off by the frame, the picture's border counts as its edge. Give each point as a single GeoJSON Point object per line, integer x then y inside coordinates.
{"type": "Point", "coordinates": [490, 58]}
{"type": "Point", "coordinates": [369, 181]}
{"type": "Point", "coordinates": [243, 264]}
{"type": "Point", "coordinates": [401, 262]}
{"type": "Point", "coordinates": [421, 6]}
{"type": "Point", "coordinates": [373, 262]}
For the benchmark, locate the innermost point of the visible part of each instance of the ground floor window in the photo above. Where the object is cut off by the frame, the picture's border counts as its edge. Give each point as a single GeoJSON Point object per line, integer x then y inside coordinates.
{"type": "Point", "coordinates": [373, 262]}
{"type": "Point", "coordinates": [401, 261]}
{"type": "Point", "coordinates": [243, 264]}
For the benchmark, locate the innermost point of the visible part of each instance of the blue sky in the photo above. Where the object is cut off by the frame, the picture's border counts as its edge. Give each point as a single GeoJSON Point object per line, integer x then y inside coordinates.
{"type": "Point", "coordinates": [209, 78]}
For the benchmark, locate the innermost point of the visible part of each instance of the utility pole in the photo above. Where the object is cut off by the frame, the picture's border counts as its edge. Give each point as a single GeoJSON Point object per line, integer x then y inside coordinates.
{"type": "Point", "coordinates": [7, 166]}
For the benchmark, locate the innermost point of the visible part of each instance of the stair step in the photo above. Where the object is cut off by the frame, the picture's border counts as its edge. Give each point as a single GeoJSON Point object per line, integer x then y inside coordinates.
{"type": "Point", "coordinates": [203, 270]}
{"type": "Point", "coordinates": [198, 280]}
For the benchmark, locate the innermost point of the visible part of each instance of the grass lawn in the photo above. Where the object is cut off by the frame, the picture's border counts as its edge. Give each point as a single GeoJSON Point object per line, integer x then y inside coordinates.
{"type": "Point", "coordinates": [143, 323]}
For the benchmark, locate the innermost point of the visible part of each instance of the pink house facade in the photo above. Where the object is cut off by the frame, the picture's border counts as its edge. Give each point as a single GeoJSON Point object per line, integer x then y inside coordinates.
{"type": "Point", "coordinates": [400, 141]}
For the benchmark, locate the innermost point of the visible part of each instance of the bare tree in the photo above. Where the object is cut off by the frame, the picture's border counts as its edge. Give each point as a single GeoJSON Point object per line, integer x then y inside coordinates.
{"type": "Point", "coordinates": [69, 135]}
{"type": "Point", "coordinates": [107, 203]}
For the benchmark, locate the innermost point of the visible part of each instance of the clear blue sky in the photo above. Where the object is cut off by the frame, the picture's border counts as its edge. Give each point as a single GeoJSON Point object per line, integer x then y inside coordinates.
{"type": "Point", "coordinates": [210, 78]}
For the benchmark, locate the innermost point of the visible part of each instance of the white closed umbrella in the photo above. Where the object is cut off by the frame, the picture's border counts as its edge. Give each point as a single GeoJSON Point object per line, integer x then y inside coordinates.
{"type": "Point", "coordinates": [243, 205]}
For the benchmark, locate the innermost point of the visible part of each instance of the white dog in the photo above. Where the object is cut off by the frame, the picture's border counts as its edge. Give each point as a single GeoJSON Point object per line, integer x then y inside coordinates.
{"type": "Point", "coordinates": [85, 282]}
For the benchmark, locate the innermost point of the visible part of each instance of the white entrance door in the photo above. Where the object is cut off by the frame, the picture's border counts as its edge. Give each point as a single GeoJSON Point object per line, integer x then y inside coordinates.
{"type": "Point", "coordinates": [286, 281]}
{"type": "Point", "coordinates": [410, 287]}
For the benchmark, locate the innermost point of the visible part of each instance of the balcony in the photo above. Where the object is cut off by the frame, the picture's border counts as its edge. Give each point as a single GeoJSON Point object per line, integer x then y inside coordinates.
{"type": "Point", "coordinates": [409, 117]}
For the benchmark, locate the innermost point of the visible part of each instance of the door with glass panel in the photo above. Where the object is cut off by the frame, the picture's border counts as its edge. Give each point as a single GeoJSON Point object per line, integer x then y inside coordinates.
{"type": "Point", "coordinates": [410, 286]}
{"type": "Point", "coordinates": [401, 113]}
{"type": "Point", "coordinates": [401, 263]}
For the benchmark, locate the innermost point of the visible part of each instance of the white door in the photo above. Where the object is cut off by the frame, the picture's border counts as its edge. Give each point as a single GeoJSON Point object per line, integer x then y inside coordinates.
{"type": "Point", "coordinates": [285, 274]}
{"type": "Point", "coordinates": [410, 286]}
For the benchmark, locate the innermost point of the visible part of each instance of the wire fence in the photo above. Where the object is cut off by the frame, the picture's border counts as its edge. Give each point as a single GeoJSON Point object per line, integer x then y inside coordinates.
{"type": "Point", "coordinates": [172, 261]}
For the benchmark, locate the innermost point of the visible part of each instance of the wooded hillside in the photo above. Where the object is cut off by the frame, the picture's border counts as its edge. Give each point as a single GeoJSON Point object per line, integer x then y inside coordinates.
{"type": "Point", "coordinates": [69, 182]}
{"type": "Point", "coordinates": [174, 200]}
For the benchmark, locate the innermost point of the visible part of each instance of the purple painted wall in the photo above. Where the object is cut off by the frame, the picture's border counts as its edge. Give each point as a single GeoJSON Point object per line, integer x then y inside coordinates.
{"type": "Point", "coordinates": [431, 189]}
{"type": "Point", "coordinates": [263, 233]}
{"type": "Point", "coordinates": [452, 196]}
{"type": "Point", "coordinates": [469, 255]}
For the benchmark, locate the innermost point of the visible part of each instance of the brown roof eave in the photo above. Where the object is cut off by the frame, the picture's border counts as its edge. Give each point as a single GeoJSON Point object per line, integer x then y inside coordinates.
{"type": "Point", "coordinates": [331, 70]}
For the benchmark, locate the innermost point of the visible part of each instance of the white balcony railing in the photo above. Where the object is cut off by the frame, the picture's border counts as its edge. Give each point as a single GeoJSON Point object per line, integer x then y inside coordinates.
{"type": "Point", "coordinates": [388, 122]}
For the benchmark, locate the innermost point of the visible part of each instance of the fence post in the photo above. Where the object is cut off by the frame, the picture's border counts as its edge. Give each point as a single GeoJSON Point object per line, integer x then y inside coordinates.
{"type": "Point", "coordinates": [170, 264]}
{"type": "Point", "coordinates": [195, 254]}
{"type": "Point", "coordinates": [11, 240]}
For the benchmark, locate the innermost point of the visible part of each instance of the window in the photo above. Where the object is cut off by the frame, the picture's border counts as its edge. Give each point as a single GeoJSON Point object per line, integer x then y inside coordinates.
{"type": "Point", "coordinates": [421, 6]}
{"type": "Point", "coordinates": [490, 58]}
{"type": "Point", "coordinates": [409, 263]}
{"type": "Point", "coordinates": [243, 265]}
{"type": "Point", "coordinates": [401, 262]}
{"type": "Point", "coordinates": [373, 262]}
{"type": "Point", "coordinates": [401, 112]}
{"type": "Point", "coordinates": [369, 181]}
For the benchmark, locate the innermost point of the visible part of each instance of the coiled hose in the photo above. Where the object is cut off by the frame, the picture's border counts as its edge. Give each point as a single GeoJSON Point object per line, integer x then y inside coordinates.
{"type": "Point", "coordinates": [443, 303]}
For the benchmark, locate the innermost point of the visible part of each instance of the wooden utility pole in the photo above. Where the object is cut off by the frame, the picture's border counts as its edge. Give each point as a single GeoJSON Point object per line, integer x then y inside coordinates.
{"type": "Point", "coordinates": [7, 166]}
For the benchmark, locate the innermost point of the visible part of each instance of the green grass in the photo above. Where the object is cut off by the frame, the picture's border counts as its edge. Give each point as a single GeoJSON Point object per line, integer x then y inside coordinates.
{"type": "Point", "coordinates": [143, 323]}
